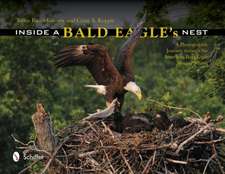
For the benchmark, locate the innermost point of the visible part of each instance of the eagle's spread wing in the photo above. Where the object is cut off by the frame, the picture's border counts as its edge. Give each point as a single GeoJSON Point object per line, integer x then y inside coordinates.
{"type": "Point", "coordinates": [124, 58]}
{"type": "Point", "coordinates": [95, 57]}
{"type": "Point", "coordinates": [73, 55]}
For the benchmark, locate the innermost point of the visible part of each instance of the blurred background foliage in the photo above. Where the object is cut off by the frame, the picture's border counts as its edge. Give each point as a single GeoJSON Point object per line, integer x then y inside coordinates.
{"type": "Point", "coordinates": [28, 74]}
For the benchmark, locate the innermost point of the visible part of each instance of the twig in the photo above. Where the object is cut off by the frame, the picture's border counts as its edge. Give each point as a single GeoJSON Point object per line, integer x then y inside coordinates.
{"type": "Point", "coordinates": [126, 162]}
{"type": "Point", "coordinates": [82, 155]}
{"type": "Point", "coordinates": [176, 161]}
{"type": "Point", "coordinates": [18, 141]}
{"type": "Point", "coordinates": [28, 167]}
{"type": "Point", "coordinates": [53, 155]}
{"type": "Point", "coordinates": [154, 155]}
{"type": "Point", "coordinates": [209, 142]}
{"type": "Point", "coordinates": [221, 130]}
{"type": "Point", "coordinates": [35, 150]}
{"type": "Point", "coordinates": [155, 147]}
{"type": "Point", "coordinates": [190, 138]}
{"type": "Point", "coordinates": [108, 129]}
{"type": "Point", "coordinates": [213, 156]}
{"type": "Point", "coordinates": [220, 166]}
{"type": "Point", "coordinates": [174, 107]}
{"type": "Point", "coordinates": [147, 166]}
{"type": "Point", "coordinates": [107, 157]}
{"type": "Point", "coordinates": [66, 160]}
{"type": "Point", "coordinates": [91, 126]}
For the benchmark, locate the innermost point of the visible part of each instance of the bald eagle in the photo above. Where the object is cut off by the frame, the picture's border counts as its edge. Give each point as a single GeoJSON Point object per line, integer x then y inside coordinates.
{"type": "Point", "coordinates": [113, 80]}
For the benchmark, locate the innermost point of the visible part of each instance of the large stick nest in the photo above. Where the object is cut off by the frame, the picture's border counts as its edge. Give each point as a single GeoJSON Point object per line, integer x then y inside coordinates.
{"type": "Point", "coordinates": [198, 147]}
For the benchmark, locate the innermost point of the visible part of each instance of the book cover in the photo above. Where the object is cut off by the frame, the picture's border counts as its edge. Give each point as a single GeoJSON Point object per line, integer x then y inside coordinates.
{"type": "Point", "coordinates": [112, 87]}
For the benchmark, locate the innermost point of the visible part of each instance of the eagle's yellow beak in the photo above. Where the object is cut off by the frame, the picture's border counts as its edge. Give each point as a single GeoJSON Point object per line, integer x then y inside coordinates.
{"type": "Point", "coordinates": [134, 88]}
{"type": "Point", "coordinates": [138, 94]}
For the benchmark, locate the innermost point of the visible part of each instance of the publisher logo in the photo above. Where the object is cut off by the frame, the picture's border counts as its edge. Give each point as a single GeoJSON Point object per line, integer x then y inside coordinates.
{"type": "Point", "coordinates": [16, 156]}
{"type": "Point", "coordinates": [32, 157]}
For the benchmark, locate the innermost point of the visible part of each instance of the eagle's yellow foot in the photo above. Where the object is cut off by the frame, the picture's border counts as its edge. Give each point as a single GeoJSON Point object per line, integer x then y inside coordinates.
{"type": "Point", "coordinates": [108, 104]}
{"type": "Point", "coordinates": [98, 110]}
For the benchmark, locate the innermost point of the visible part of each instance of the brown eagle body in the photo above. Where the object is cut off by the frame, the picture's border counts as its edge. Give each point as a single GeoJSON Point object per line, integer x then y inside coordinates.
{"type": "Point", "coordinates": [113, 81]}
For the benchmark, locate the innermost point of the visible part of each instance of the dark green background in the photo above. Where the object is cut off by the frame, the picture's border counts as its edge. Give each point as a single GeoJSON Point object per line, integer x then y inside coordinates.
{"type": "Point", "coordinates": [28, 74]}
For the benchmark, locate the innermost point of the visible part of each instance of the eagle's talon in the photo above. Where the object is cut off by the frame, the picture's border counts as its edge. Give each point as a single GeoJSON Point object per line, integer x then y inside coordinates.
{"type": "Point", "coordinates": [108, 104]}
{"type": "Point", "coordinates": [98, 110]}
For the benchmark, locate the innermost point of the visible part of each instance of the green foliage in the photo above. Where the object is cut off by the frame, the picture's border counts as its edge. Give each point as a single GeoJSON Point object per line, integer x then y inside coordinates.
{"type": "Point", "coordinates": [216, 75]}
{"type": "Point", "coordinates": [203, 13]}
{"type": "Point", "coordinates": [10, 11]}
{"type": "Point", "coordinates": [199, 84]}
{"type": "Point", "coordinates": [211, 15]}
{"type": "Point", "coordinates": [28, 76]}
{"type": "Point", "coordinates": [171, 84]}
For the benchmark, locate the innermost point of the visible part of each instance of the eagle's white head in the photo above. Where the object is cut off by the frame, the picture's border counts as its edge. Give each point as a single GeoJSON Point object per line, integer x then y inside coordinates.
{"type": "Point", "coordinates": [134, 88]}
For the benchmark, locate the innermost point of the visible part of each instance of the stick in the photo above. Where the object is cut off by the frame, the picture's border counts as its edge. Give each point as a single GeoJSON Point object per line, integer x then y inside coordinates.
{"type": "Point", "coordinates": [108, 129]}
{"type": "Point", "coordinates": [209, 142]}
{"type": "Point", "coordinates": [173, 107]}
{"type": "Point", "coordinates": [146, 168]}
{"type": "Point", "coordinates": [53, 156]}
{"type": "Point", "coordinates": [176, 161]}
{"type": "Point", "coordinates": [18, 141]}
{"type": "Point", "coordinates": [208, 163]}
{"type": "Point", "coordinates": [107, 157]}
{"type": "Point", "coordinates": [221, 130]}
{"type": "Point", "coordinates": [126, 162]}
{"type": "Point", "coordinates": [189, 139]}
{"type": "Point", "coordinates": [82, 155]}
{"type": "Point", "coordinates": [28, 167]}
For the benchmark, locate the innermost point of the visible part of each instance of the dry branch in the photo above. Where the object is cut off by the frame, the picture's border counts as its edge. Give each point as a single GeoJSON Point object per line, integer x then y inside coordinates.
{"type": "Point", "coordinates": [45, 138]}
{"type": "Point", "coordinates": [198, 147]}
{"type": "Point", "coordinates": [43, 129]}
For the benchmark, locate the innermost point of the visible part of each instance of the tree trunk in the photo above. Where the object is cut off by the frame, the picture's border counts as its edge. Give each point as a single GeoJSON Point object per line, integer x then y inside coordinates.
{"type": "Point", "coordinates": [45, 137]}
